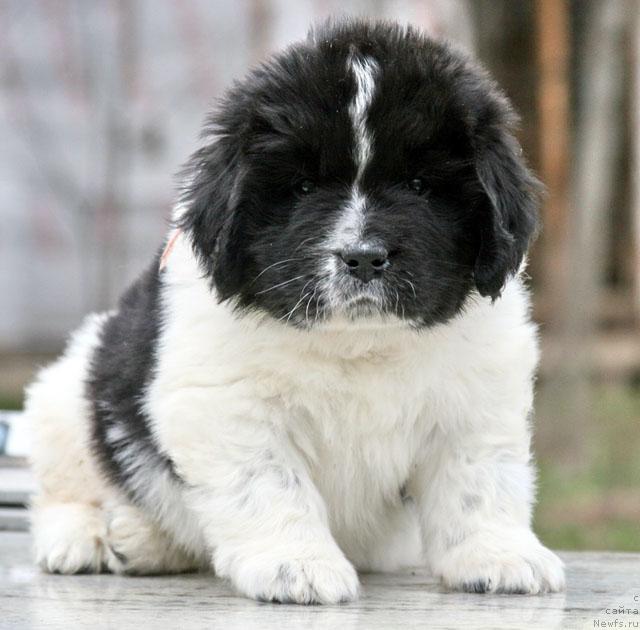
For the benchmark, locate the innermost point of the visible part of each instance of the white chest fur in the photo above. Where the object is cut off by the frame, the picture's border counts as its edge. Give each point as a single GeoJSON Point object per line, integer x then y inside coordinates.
{"type": "Point", "coordinates": [356, 403]}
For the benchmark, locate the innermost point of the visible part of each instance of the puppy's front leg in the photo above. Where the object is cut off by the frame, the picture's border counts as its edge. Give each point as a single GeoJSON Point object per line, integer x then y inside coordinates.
{"type": "Point", "coordinates": [475, 505]}
{"type": "Point", "coordinates": [263, 517]}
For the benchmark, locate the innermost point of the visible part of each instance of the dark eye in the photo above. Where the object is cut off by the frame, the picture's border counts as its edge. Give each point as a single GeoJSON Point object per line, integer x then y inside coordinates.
{"type": "Point", "coordinates": [416, 185]}
{"type": "Point", "coordinates": [305, 187]}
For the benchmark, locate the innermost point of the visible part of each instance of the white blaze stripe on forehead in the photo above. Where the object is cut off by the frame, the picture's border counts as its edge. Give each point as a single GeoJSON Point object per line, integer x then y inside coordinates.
{"type": "Point", "coordinates": [364, 71]}
{"type": "Point", "coordinates": [351, 223]}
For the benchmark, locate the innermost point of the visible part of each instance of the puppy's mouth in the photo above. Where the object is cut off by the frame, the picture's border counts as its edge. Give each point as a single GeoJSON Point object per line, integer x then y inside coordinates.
{"type": "Point", "coordinates": [322, 301]}
{"type": "Point", "coordinates": [358, 300]}
{"type": "Point", "coordinates": [364, 305]}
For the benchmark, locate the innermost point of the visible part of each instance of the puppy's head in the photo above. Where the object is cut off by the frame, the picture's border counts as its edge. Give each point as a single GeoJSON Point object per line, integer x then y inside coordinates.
{"type": "Point", "coordinates": [367, 172]}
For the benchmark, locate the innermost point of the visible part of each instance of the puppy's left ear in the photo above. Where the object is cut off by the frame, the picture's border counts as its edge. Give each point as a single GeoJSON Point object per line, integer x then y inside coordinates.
{"type": "Point", "coordinates": [509, 208]}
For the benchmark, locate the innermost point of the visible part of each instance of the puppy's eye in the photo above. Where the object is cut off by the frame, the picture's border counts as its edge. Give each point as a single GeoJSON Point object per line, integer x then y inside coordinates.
{"type": "Point", "coordinates": [416, 185]}
{"type": "Point", "coordinates": [305, 187]}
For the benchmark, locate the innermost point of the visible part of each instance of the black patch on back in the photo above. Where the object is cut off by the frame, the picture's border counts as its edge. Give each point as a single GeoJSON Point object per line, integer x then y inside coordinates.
{"type": "Point", "coordinates": [120, 371]}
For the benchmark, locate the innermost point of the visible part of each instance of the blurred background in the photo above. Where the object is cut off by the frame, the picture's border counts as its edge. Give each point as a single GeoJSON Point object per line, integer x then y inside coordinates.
{"type": "Point", "coordinates": [101, 102]}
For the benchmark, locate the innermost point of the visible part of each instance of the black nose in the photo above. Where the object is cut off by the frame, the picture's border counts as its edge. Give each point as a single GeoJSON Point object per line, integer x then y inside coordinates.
{"type": "Point", "coordinates": [365, 262]}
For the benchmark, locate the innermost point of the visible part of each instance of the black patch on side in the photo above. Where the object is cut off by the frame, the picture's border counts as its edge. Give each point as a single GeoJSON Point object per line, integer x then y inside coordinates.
{"type": "Point", "coordinates": [121, 368]}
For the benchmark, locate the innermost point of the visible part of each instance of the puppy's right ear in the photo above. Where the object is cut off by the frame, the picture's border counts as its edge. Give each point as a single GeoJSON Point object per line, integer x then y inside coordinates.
{"type": "Point", "coordinates": [211, 218]}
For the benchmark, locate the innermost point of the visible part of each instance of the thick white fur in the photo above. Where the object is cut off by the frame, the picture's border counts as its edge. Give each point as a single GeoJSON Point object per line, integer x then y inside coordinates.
{"type": "Point", "coordinates": [294, 446]}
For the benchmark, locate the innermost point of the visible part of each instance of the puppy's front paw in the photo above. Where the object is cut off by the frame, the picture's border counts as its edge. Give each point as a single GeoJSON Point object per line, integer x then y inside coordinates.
{"type": "Point", "coordinates": [508, 561]}
{"type": "Point", "coordinates": [318, 577]}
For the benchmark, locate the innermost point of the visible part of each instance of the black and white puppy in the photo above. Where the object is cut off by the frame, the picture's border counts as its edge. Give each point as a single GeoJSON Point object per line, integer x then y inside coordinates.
{"type": "Point", "coordinates": [330, 368]}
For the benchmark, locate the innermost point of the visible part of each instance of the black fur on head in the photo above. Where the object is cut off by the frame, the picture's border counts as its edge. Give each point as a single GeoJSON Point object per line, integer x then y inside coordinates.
{"type": "Point", "coordinates": [367, 137]}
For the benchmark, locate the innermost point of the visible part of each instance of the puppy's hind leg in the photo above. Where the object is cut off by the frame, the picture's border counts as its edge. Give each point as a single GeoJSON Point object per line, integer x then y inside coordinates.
{"type": "Point", "coordinates": [67, 521]}
{"type": "Point", "coordinates": [80, 521]}
{"type": "Point", "coordinates": [134, 545]}
{"type": "Point", "coordinates": [68, 537]}
{"type": "Point", "coordinates": [82, 538]}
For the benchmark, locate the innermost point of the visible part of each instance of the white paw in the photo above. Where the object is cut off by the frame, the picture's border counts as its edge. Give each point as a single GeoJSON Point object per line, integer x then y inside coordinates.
{"type": "Point", "coordinates": [68, 538]}
{"type": "Point", "coordinates": [312, 577]}
{"type": "Point", "coordinates": [505, 561]}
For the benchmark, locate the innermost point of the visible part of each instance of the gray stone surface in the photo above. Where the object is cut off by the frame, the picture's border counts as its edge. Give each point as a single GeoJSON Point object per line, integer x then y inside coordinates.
{"type": "Point", "coordinates": [29, 599]}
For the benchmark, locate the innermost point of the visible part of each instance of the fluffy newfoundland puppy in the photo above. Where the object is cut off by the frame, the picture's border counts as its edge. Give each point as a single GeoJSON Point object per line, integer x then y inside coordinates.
{"type": "Point", "coordinates": [328, 366]}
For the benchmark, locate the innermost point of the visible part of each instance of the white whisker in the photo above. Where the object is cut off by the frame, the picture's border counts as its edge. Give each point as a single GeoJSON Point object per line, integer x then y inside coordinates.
{"type": "Point", "coordinates": [293, 310]}
{"type": "Point", "coordinates": [279, 262]}
{"type": "Point", "coordinates": [306, 313]}
{"type": "Point", "coordinates": [301, 243]}
{"type": "Point", "coordinates": [413, 288]}
{"type": "Point", "coordinates": [281, 284]}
